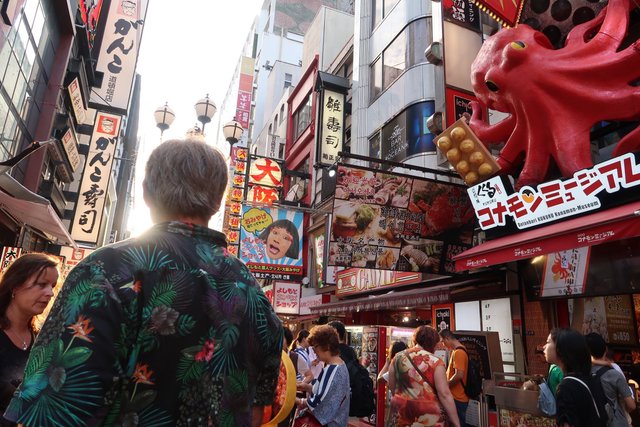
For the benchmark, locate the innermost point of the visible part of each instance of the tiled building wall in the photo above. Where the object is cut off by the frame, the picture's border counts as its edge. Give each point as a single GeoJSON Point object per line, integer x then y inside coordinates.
{"type": "Point", "coordinates": [538, 321]}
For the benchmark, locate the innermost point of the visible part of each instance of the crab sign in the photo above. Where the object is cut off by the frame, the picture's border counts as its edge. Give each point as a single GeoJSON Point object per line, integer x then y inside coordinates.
{"type": "Point", "coordinates": [555, 96]}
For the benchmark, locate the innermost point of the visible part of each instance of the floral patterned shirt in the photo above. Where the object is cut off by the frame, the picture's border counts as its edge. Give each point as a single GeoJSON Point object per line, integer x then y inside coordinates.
{"type": "Point", "coordinates": [164, 329]}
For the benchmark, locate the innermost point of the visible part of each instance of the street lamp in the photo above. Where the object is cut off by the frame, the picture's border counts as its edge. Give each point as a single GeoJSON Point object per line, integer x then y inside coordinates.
{"type": "Point", "coordinates": [205, 109]}
{"type": "Point", "coordinates": [164, 117]}
{"type": "Point", "coordinates": [232, 132]}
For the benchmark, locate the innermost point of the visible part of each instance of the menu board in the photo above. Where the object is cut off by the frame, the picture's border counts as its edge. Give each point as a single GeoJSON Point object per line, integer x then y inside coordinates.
{"type": "Point", "coordinates": [496, 317]}
{"type": "Point", "coordinates": [611, 317]}
{"type": "Point", "coordinates": [483, 347]}
{"type": "Point", "coordinates": [396, 222]}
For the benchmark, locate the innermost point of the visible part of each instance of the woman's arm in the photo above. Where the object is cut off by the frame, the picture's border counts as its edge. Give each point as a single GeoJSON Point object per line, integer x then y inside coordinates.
{"type": "Point", "coordinates": [383, 371]}
{"type": "Point", "coordinates": [391, 383]}
{"type": "Point", "coordinates": [444, 395]}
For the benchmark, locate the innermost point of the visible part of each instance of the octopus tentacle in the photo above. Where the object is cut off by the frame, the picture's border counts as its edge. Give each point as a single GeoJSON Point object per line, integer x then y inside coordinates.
{"type": "Point", "coordinates": [628, 144]}
{"type": "Point", "coordinates": [490, 134]}
{"type": "Point", "coordinates": [535, 168]}
{"type": "Point", "coordinates": [616, 22]}
{"type": "Point", "coordinates": [577, 36]}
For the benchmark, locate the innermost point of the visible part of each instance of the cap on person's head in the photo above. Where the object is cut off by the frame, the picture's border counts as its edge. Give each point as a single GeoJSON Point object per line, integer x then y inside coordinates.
{"type": "Point", "coordinates": [185, 178]}
{"type": "Point", "coordinates": [597, 345]}
{"type": "Point", "coordinates": [339, 327]}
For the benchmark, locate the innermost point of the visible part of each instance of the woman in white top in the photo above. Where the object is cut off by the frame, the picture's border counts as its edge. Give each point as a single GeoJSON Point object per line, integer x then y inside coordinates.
{"type": "Point", "coordinates": [301, 347]}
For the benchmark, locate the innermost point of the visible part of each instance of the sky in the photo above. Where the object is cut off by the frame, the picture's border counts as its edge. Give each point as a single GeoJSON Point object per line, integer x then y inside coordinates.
{"type": "Point", "coordinates": [189, 49]}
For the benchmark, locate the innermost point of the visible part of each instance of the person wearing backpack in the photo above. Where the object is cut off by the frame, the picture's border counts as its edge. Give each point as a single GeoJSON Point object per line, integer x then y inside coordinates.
{"type": "Point", "coordinates": [363, 403]}
{"type": "Point", "coordinates": [580, 401]}
{"type": "Point", "coordinates": [616, 390]}
{"type": "Point", "coordinates": [457, 370]}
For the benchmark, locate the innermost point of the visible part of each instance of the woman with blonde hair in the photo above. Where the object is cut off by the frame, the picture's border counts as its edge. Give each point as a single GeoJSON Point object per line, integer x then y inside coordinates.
{"type": "Point", "coordinates": [26, 287]}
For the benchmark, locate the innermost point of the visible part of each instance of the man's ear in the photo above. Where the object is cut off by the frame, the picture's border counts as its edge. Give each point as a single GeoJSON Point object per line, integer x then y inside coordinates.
{"type": "Point", "coordinates": [145, 195]}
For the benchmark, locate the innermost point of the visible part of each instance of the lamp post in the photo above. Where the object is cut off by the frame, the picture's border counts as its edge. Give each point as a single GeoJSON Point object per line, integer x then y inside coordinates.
{"type": "Point", "coordinates": [205, 109]}
{"type": "Point", "coordinates": [232, 132]}
{"type": "Point", "coordinates": [164, 117]}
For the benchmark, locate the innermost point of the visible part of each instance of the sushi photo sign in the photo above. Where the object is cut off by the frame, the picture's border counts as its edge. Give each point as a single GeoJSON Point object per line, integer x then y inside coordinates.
{"type": "Point", "coordinates": [389, 221]}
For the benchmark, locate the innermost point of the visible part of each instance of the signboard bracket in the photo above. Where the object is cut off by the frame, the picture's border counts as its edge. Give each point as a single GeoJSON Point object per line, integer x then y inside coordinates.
{"type": "Point", "coordinates": [398, 165]}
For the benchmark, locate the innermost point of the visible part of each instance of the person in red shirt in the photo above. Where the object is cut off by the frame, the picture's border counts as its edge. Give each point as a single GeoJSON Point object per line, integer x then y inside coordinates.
{"type": "Point", "coordinates": [457, 372]}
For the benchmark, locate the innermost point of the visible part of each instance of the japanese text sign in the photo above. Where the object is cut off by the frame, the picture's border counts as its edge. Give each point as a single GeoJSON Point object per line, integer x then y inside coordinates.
{"type": "Point", "coordinates": [9, 254]}
{"type": "Point", "coordinates": [286, 298]}
{"type": "Point", "coordinates": [271, 242]}
{"type": "Point", "coordinates": [389, 221]}
{"type": "Point", "coordinates": [552, 200]}
{"type": "Point", "coordinates": [265, 171]}
{"type": "Point", "coordinates": [331, 130]}
{"type": "Point", "coordinates": [95, 179]}
{"type": "Point", "coordinates": [70, 144]}
{"type": "Point", "coordinates": [77, 104]}
{"type": "Point", "coordinates": [118, 54]}
{"type": "Point", "coordinates": [462, 12]}
{"type": "Point", "coordinates": [352, 281]}
{"type": "Point", "coordinates": [245, 89]}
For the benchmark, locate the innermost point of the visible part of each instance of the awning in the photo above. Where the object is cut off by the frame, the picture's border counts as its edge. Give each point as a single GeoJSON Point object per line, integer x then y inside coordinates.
{"type": "Point", "coordinates": [26, 207]}
{"type": "Point", "coordinates": [618, 223]}
{"type": "Point", "coordinates": [388, 301]}
{"type": "Point", "coordinates": [40, 216]}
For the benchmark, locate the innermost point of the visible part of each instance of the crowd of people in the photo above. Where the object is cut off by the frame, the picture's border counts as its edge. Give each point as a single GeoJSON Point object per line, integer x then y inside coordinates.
{"type": "Point", "coordinates": [170, 329]}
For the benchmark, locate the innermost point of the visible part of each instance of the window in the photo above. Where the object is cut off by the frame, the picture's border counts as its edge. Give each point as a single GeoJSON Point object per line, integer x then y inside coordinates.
{"type": "Point", "coordinates": [281, 113]}
{"type": "Point", "coordinates": [288, 78]}
{"type": "Point", "coordinates": [376, 78]}
{"type": "Point", "coordinates": [381, 9]}
{"type": "Point", "coordinates": [302, 119]}
{"type": "Point", "coordinates": [404, 52]}
{"type": "Point", "coordinates": [275, 121]}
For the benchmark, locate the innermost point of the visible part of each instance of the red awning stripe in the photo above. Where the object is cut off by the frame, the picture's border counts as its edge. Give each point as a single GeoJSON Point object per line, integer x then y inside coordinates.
{"type": "Point", "coordinates": [618, 223]}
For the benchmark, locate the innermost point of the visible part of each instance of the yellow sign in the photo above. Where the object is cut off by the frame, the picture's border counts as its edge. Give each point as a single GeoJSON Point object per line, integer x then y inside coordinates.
{"type": "Point", "coordinates": [256, 220]}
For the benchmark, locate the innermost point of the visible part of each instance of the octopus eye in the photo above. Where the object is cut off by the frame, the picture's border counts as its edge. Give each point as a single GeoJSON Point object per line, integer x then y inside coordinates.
{"type": "Point", "coordinates": [492, 86]}
{"type": "Point", "coordinates": [518, 45]}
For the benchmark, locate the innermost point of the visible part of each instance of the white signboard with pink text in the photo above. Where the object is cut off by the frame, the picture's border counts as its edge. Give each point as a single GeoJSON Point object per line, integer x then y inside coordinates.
{"type": "Point", "coordinates": [286, 298]}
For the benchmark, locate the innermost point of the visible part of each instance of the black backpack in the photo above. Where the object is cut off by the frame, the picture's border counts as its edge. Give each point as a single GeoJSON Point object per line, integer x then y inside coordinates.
{"type": "Point", "coordinates": [605, 406]}
{"type": "Point", "coordinates": [473, 386]}
{"type": "Point", "coordinates": [363, 399]}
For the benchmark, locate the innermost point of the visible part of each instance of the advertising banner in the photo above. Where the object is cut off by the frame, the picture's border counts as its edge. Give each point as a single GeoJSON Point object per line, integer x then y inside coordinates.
{"type": "Point", "coordinates": [610, 316]}
{"type": "Point", "coordinates": [395, 222]}
{"type": "Point", "coordinates": [271, 242]}
{"type": "Point", "coordinates": [287, 298]}
{"type": "Point", "coordinates": [553, 200]}
{"type": "Point", "coordinates": [407, 134]}
{"type": "Point", "coordinates": [72, 257]}
{"type": "Point", "coordinates": [458, 104]}
{"type": "Point", "coordinates": [312, 301]}
{"type": "Point", "coordinates": [245, 89]}
{"type": "Point", "coordinates": [95, 179]}
{"type": "Point", "coordinates": [443, 317]}
{"type": "Point", "coordinates": [118, 55]}
{"type": "Point", "coordinates": [565, 273]}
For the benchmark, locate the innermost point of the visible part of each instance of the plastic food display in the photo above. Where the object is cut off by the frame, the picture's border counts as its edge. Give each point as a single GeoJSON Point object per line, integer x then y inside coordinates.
{"type": "Point", "coordinates": [468, 156]}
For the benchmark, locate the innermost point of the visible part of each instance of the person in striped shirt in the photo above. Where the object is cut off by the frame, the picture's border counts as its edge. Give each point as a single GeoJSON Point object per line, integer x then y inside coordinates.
{"type": "Point", "coordinates": [329, 394]}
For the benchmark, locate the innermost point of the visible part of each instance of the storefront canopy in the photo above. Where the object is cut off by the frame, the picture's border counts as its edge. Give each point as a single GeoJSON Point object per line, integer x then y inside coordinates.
{"type": "Point", "coordinates": [613, 224]}
{"type": "Point", "coordinates": [36, 215]}
{"type": "Point", "coordinates": [388, 301]}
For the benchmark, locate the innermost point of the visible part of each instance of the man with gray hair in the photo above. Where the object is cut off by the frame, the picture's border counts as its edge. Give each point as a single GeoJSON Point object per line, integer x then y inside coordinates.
{"type": "Point", "coordinates": [164, 329]}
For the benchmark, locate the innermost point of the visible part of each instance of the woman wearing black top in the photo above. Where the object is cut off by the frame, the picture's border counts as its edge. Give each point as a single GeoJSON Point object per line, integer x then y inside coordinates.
{"type": "Point", "coordinates": [575, 400]}
{"type": "Point", "coordinates": [26, 287]}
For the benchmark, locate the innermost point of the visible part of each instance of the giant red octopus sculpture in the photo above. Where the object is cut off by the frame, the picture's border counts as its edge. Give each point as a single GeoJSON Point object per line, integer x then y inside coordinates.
{"type": "Point", "coordinates": [555, 96]}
